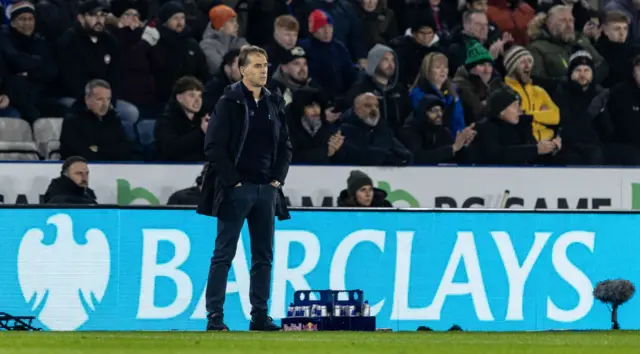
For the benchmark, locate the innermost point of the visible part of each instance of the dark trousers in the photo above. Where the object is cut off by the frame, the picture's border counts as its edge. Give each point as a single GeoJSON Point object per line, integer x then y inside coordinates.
{"type": "Point", "coordinates": [256, 203]}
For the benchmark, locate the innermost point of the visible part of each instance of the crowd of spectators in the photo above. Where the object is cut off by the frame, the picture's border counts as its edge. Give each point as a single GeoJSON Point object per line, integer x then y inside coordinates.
{"type": "Point", "coordinates": [366, 82]}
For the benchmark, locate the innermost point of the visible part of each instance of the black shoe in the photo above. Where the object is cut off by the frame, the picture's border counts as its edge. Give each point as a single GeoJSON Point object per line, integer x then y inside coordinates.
{"type": "Point", "coordinates": [263, 324]}
{"type": "Point", "coordinates": [215, 323]}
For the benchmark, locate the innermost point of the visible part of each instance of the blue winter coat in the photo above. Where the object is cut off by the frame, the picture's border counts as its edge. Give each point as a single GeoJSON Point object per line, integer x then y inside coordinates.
{"type": "Point", "coordinates": [453, 115]}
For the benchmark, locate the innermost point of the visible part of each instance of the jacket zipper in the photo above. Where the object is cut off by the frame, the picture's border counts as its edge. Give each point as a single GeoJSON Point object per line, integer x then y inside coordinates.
{"type": "Point", "coordinates": [245, 131]}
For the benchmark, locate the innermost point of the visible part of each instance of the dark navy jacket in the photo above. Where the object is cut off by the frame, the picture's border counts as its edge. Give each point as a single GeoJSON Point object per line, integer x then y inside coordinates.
{"type": "Point", "coordinates": [225, 141]}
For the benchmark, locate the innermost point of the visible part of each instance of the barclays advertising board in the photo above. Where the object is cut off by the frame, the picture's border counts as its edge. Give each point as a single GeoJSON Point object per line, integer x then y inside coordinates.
{"type": "Point", "coordinates": [109, 269]}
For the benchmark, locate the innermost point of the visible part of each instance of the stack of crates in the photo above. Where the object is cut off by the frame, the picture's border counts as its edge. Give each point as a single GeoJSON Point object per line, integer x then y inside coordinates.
{"type": "Point", "coordinates": [328, 313]}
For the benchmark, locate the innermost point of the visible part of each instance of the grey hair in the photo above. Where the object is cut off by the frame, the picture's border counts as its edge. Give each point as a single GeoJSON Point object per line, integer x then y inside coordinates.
{"type": "Point", "coordinates": [88, 89]}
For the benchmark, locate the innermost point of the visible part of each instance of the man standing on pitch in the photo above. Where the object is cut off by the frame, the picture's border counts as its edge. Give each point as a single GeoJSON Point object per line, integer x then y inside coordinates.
{"type": "Point", "coordinates": [248, 147]}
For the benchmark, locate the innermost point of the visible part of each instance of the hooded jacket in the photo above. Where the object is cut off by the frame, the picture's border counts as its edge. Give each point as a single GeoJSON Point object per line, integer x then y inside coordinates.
{"type": "Point", "coordinates": [379, 200]}
{"type": "Point", "coordinates": [330, 65]}
{"type": "Point", "coordinates": [395, 105]}
{"type": "Point", "coordinates": [215, 44]}
{"type": "Point", "coordinates": [179, 139]}
{"type": "Point", "coordinates": [473, 93]}
{"type": "Point", "coordinates": [535, 101]}
{"type": "Point", "coordinates": [63, 190]}
{"type": "Point", "coordinates": [453, 111]}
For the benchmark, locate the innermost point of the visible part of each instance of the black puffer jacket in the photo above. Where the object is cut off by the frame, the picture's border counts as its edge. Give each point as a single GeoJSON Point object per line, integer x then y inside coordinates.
{"type": "Point", "coordinates": [63, 190]}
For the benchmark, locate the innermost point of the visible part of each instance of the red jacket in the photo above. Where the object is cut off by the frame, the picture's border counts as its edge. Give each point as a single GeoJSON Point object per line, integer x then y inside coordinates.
{"type": "Point", "coordinates": [512, 19]}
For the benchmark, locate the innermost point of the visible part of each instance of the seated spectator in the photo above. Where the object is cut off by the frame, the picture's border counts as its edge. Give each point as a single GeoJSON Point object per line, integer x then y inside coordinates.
{"type": "Point", "coordinates": [92, 128]}
{"type": "Point", "coordinates": [505, 138]}
{"type": "Point", "coordinates": [72, 187]}
{"type": "Point", "coordinates": [292, 75]}
{"type": "Point", "coordinates": [86, 52]}
{"type": "Point", "coordinates": [329, 61]}
{"type": "Point", "coordinates": [314, 140]}
{"type": "Point", "coordinates": [624, 103]}
{"type": "Point", "coordinates": [378, 22]}
{"type": "Point", "coordinates": [191, 195]}
{"type": "Point", "coordinates": [368, 140]}
{"type": "Point", "coordinates": [630, 9]}
{"type": "Point", "coordinates": [428, 139]}
{"type": "Point", "coordinates": [475, 82]}
{"type": "Point", "coordinates": [513, 17]}
{"type": "Point", "coordinates": [135, 42]}
{"type": "Point", "coordinates": [285, 37]}
{"type": "Point", "coordinates": [346, 26]}
{"type": "Point", "coordinates": [445, 14]}
{"type": "Point", "coordinates": [475, 27]}
{"type": "Point", "coordinates": [177, 54]}
{"type": "Point", "coordinates": [382, 80]}
{"type": "Point", "coordinates": [360, 193]}
{"type": "Point", "coordinates": [553, 38]}
{"type": "Point", "coordinates": [220, 36]}
{"type": "Point", "coordinates": [227, 75]}
{"type": "Point", "coordinates": [434, 80]}
{"type": "Point", "coordinates": [412, 47]}
{"type": "Point", "coordinates": [615, 48]}
{"type": "Point", "coordinates": [181, 129]}
{"type": "Point", "coordinates": [584, 114]}
{"type": "Point", "coordinates": [31, 60]}
{"type": "Point", "coordinates": [534, 99]}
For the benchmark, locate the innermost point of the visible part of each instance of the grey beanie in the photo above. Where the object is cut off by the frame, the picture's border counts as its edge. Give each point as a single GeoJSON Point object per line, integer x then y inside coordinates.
{"type": "Point", "coordinates": [357, 179]}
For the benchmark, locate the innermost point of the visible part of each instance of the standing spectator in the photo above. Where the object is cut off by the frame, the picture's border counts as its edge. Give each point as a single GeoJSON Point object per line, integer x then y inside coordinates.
{"type": "Point", "coordinates": [329, 61]}
{"type": "Point", "coordinates": [505, 138]}
{"type": "Point", "coordinates": [55, 17]}
{"type": "Point", "coordinates": [92, 128]}
{"type": "Point", "coordinates": [381, 79]}
{"type": "Point", "coordinates": [428, 139]}
{"type": "Point", "coordinates": [136, 42]}
{"type": "Point", "coordinates": [434, 80]}
{"type": "Point", "coordinates": [31, 60]}
{"type": "Point", "coordinates": [378, 22]}
{"type": "Point", "coordinates": [512, 16]}
{"type": "Point", "coordinates": [475, 82]}
{"type": "Point", "coordinates": [412, 47]}
{"type": "Point", "coordinates": [615, 48]}
{"type": "Point", "coordinates": [475, 27]}
{"type": "Point", "coordinates": [344, 19]}
{"type": "Point", "coordinates": [584, 116]}
{"type": "Point", "coordinates": [86, 52]}
{"type": "Point", "coordinates": [227, 75]}
{"type": "Point", "coordinates": [360, 193]}
{"type": "Point", "coordinates": [314, 139]}
{"type": "Point", "coordinates": [220, 36]}
{"type": "Point", "coordinates": [552, 41]}
{"type": "Point", "coordinates": [285, 37]}
{"type": "Point", "coordinates": [368, 140]}
{"type": "Point", "coordinates": [535, 101]}
{"type": "Point", "coordinates": [180, 131]}
{"type": "Point", "coordinates": [631, 8]}
{"type": "Point", "coordinates": [72, 187]}
{"type": "Point", "coordinates": [176, 54]}
{"type": "Point", "coordinates": [261, 16]}
{"type": "Point", "coordinates": [292, 75]}
{"type": "Point", "coordinates": [624, 110]}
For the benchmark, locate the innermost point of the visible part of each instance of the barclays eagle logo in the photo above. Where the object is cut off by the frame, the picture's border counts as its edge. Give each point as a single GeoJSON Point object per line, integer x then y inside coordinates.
{"type": "Point", "coordinates": [63, 276]}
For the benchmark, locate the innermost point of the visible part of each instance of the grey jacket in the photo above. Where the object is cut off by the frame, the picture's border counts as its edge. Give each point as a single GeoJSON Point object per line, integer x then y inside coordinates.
{"type": "Point", "coordinates": [216, 44]}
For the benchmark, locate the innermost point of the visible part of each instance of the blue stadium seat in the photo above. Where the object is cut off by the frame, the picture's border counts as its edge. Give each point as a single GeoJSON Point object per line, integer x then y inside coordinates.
{"type": "Point", "coordinates": [146, 138]}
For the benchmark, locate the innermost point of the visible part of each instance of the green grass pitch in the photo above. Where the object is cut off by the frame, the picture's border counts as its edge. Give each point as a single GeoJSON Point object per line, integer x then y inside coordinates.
{"type": "Point", "coordinates": [319, 342]}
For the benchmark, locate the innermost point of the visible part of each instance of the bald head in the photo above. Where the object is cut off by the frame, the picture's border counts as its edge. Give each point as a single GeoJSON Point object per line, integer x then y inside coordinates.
{"type": "Point", "coordinates": [367, 108]}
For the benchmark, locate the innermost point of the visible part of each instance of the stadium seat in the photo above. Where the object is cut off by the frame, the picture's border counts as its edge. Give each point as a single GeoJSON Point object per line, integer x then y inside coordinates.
{"type": "Point", "coordinates": [146, 135]}
{"type": "Point", "coordinates": [47, 135]}
{"type": "Point", "coordinates": [16, 140]}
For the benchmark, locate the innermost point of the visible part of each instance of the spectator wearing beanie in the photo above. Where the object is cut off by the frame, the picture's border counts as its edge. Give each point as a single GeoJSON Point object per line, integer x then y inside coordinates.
{"type": "Point", "coordinates": [292, 75]}
{"type": "Point", "coordinates": [180, 131]}
{"type": "Point", "coordinates": [378, 22]}
{"type": "Point", "coordinates": [413, 46]}
{"type": "Point", "coordinates": [220, 36]}
{"type": "Point", "coordinates": [382, 80]}
{"type": "Point", "coordinates": [429, 140]}
{"type": "Point", "coordinates": [475, 81]}
{"type": "Point", "coordinates": [329, 61]}
{"type": "Point", "coordinates": [347, 28]}
{"type": "Point", "coordinates": [512, 16]}
{"type": "Point", "coordinates": [360, 193]}
{"type": "Point", "coordinates": [584, 117]}
{"type": "Point", "coordinates": [86, 52]}
{"type": "Point", "coordinates": [32, 66]}
{"type": "Point", "coordinates": [505, 138]}
{"type": "Point", "coordinates": [534, 99]}
{"type": "Point", "coordinates": [177, 54]}
{"type": "Point", "coordinates": [135, 41]}
{"type": "Point", "coordinates": [445, 14]}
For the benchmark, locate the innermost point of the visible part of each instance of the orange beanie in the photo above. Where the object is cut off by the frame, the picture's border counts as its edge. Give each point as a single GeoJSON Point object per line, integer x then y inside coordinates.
{"type": "Point", "coordinates": [219, 15]}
